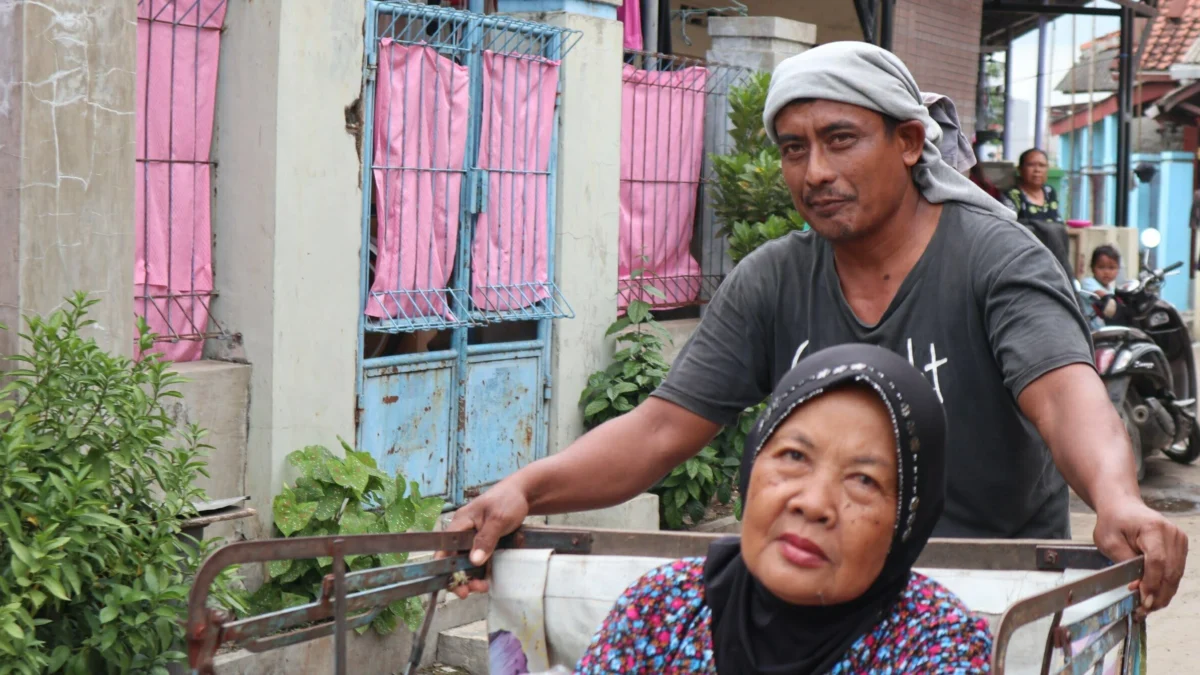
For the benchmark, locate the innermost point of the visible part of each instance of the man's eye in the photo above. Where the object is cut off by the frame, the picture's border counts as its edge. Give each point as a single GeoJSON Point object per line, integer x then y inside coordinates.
{"type": "Point", "coordinates": [842, 140]}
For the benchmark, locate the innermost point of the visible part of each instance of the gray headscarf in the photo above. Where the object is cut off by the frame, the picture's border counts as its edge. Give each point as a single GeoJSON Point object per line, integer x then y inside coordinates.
{"type": "Point", "coordinates": [867, 76]}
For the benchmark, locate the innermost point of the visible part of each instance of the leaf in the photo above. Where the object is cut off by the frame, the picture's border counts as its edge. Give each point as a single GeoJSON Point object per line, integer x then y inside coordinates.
{"type": "Point", "coordinates": [57, 658]}
{"type": "Point", "coordinates": [653, 290]}
{"type": "Point", "coordinates": [428, 512]}
{"type": "Point", "coordinates": [694, 490]}
{"type": "Point", "coordinates": [617, 326]}
{"type": "Point", "coordinates": [681, 497]}
{"type": "Point", "coordinates": [595, 407]}
{"type": "Point", "coordinates": [22, 552]}
{"type": "Point", "coordinates": [108, 614]}
{"type": "Point", "coordinates": [412, 613]}
{"type": "Point", "coordinates": [278, 568]}
{"type": "Point", "coordinates": [290, 516]}
{"type": "Point", "coordinates": [290, 600]}
{"type": "Point", "coordinates": [311, 461]}
{"type": "Point", "coordinates": [400, 516]}
{"type": "Point", "coordinates": [356, 521]}
{"type": "Point", "coordinates": [384, 623]}
{"type": "Point", "coordinates": [14, 630]}
{"type": "Point", "coordinates": [330, 504]}
{"type": "Point", "coordinates": [349, 473]}
{"type": "Point", "coordinates": [637, 311]}
{"type": "Point", "coordinates": [55, 588]}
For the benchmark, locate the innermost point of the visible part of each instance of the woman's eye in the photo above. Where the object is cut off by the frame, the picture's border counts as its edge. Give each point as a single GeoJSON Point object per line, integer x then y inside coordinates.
{"type": "Point", "coordinates": [865, 480]}
{"type": "Point", "coordinates": [794, 455]}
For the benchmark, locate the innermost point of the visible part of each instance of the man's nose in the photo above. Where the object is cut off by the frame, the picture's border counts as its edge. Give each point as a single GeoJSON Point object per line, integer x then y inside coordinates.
{"type": "Point", "coordinates": [819, 171]}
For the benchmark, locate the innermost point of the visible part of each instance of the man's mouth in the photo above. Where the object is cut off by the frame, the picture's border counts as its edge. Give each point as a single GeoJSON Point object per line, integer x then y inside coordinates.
{"type": "Point", "coordinates": [827, 207]}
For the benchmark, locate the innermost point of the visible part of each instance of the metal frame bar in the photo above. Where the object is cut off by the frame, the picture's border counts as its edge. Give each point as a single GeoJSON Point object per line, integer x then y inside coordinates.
{"type": "Point", "coordinates": [351, 599]}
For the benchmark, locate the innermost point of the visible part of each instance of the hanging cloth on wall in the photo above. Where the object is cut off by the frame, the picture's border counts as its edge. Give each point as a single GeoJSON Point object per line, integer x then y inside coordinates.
{"type": "Point", "coordinates": [630, 14]}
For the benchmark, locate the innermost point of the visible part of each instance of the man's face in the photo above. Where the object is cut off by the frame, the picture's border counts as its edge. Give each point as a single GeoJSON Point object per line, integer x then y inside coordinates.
{"type": "Point", "coordinates": [846, 170]}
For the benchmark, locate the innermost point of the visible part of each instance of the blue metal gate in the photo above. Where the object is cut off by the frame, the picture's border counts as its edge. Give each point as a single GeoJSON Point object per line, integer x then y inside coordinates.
{"type": "Point", "coordinates": [459, 166]}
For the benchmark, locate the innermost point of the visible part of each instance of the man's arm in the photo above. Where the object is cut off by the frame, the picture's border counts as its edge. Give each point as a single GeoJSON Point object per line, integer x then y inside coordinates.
{"type": "Point", "coordinates": [1072, 411]}
{"type": "Point", "coordinates": [616, 461]}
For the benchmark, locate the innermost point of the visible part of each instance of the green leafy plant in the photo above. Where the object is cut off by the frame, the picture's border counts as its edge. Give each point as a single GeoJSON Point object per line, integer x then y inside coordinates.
{"type": "Point", "coordinates": [343, 495]}
{"type": "Point", "coordinates": [750, 198]}
{"type": "Point", "coordinates": [96, 480]}
{"type": "Point", "coordinates": [638, 366]}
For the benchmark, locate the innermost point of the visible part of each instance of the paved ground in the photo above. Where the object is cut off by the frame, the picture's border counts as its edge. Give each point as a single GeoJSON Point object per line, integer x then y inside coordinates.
{"type": "Point", "coordinates": [1173, 633]}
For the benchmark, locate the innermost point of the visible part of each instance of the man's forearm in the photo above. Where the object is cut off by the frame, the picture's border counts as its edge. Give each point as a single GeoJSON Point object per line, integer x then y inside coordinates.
{"type": "Point", "coordinates": [616, 461]}
{"type": "Point", "coordinates": [1072, 411]}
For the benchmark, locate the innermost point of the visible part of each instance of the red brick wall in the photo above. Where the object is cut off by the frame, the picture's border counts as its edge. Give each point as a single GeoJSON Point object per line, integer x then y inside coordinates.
{"type": "Point", "coordinates": [939, 42]}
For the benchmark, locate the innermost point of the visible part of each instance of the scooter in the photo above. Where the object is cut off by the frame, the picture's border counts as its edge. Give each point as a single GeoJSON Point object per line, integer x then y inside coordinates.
{"type": "Point", "coordinates": [1144, 356]}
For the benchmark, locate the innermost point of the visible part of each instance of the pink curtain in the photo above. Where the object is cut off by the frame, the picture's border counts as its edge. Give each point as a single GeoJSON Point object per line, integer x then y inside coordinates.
{"type": "Point", "coordinates": [508, 258]}
{"type": "Point", "coordinates": [630, 14]}
{"type": "Point", "coordinates": [420, 143]}
{"type": "Point", "coordinates": [662, 149]}
{"type": "Point", "coordinates": [178, 50]}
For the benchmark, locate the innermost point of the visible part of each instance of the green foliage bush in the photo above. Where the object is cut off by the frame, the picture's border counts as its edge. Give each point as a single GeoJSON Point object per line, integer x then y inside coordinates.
{"type": "Point", "coordinates": [347, 495]}
{"type": "Point", "coordinates": [95, 481]}
{"type": "Point", "coordinates": [750, 198]}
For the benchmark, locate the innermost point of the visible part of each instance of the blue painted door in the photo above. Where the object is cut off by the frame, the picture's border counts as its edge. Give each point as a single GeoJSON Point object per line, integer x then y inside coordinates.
{"type": "Point", "coordinates": [459, 140]}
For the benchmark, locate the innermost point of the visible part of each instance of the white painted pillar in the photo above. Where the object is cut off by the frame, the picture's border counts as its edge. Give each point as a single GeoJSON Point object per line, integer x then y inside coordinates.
{"type": "Point", "coordinates": [67, 128]}
{"type": "Point", "coordinates": [287, 223]}
{"type": "Point", "coordinates": [588, 200]}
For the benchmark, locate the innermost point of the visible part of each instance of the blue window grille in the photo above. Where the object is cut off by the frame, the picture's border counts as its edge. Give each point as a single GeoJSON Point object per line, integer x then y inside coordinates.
{"type": "Point", "coordinates": [671, 103]}
{"type": "Point", "coordinates": [447, 276]}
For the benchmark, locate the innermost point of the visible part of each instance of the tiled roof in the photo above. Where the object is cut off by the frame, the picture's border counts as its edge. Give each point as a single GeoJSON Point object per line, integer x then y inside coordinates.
{"type": "Point", "coordinates": [1174, 31]}
{"type": "Point", "coordinates": [1087, 75]}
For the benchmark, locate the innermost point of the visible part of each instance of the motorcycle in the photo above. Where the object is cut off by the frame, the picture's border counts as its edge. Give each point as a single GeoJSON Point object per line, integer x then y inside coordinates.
{"type": "Point", "coordinates": [1144, 355]}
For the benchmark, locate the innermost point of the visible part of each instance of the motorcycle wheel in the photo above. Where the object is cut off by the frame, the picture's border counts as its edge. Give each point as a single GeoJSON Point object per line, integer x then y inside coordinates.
{"type": "Point", "coordinates": [1190, 452]}
{"type": "Point", "coordinates": [1135, 440]}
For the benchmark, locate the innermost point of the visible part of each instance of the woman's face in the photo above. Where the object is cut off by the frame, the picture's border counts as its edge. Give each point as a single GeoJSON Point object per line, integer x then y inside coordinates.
{"type": "Point", "coordinates": [821, 505]}
{"type": "Point", "coordinates": [1105, 270]}
{"type": "Point", "coordinates": [1033, 171]}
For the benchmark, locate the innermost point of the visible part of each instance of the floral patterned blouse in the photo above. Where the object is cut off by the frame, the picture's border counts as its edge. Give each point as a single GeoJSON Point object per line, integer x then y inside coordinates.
{"type": "Point", "coordinates": [660, 625]}
{"type": "Point", "coordinates": [1016, 200]}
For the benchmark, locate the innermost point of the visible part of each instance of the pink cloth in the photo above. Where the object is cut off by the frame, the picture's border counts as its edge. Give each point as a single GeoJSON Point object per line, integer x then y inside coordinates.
{"type": "Point", "coordinates": [508, 259]}
{"type": "Point", "coordinates": [421, 103]}
{"type": "Point", "coordinates": [662, 149]}
{"type": "Point", "coordinates": [178, 52]}
{"type": "Point", "coordinates": [630, 14]}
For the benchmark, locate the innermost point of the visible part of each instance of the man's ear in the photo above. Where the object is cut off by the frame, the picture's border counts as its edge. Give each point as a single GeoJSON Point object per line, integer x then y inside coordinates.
{"type": "Point", "coordinates": [911, 136]}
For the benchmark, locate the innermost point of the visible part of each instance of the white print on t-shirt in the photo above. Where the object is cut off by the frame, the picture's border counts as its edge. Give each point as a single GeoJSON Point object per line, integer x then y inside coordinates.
{"type": "Point", "coordinates": [931, 367]}
{"type": "Point", "coordinates": [799, 351]}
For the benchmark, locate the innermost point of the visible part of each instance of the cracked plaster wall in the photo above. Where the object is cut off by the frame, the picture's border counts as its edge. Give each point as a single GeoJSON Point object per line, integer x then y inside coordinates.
{"type": "Point", "coordinates": [67, 125]}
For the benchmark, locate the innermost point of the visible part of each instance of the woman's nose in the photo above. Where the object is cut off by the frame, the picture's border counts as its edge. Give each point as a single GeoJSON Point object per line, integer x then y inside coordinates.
{"type": "Point", "coordinates": [815, 501]}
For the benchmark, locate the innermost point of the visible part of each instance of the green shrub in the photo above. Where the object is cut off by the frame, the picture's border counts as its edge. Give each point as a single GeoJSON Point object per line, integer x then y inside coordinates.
{"type": "Point", "coordinates": [348, 496]}
{"type": "Point", "coordinates": [96, 480]}
{"type": "Point", "coordinates": [750, 198]}
{"type": "Point", "coordinates": [637, 369]}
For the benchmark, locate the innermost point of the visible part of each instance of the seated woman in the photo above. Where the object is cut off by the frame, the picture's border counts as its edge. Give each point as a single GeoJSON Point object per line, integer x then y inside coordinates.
{"type": "Point", "coordinates": [843, 480]}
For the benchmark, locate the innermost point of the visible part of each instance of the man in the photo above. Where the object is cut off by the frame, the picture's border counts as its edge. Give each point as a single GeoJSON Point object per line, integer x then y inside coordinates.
{"type": "Point", "coordinates": [908, 254]}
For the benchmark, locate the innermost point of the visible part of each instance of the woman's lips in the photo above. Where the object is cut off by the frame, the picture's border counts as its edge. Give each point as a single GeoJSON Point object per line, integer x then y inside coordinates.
{"type": "Point", "coordinates": [802, 552]}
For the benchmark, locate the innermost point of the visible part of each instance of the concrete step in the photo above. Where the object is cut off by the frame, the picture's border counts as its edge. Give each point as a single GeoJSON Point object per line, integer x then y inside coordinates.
{"type": "Point", "coordinates": [465, 647]}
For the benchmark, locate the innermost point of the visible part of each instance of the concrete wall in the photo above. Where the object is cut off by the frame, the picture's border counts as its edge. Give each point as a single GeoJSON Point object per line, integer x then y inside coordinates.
{"type": "Point", "coordinates": [287, 223]}
{"type": "Point", "coordinates": [67, 101]}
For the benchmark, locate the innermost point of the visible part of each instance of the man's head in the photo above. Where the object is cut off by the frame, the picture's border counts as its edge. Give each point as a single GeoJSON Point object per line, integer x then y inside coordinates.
{"type": "Point", "coordinates": [848, 168]}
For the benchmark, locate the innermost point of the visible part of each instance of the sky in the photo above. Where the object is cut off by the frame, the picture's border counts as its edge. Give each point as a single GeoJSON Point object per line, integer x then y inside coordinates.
{"type": "Point", "coordinates": [1061, 51]}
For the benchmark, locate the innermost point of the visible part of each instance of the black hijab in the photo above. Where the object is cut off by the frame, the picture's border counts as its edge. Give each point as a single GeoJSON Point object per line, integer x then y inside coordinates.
{"type": "Point", "coordinates": [756, 633]}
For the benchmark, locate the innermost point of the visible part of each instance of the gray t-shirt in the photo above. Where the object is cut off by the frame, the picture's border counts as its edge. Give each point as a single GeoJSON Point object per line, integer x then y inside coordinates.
{"type": "Point", "coordinates": [986, 311]}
